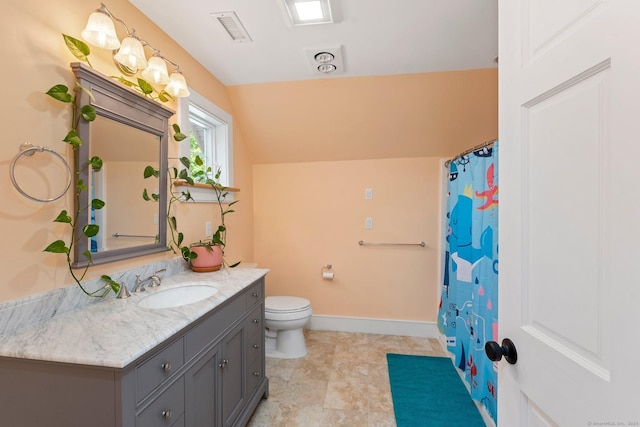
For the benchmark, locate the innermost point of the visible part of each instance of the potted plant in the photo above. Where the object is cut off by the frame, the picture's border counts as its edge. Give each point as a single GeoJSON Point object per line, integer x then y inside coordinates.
{"type": "Point", "coordinates": [208, 256]}
{"type": "Point", "coordinates": [204, 255]}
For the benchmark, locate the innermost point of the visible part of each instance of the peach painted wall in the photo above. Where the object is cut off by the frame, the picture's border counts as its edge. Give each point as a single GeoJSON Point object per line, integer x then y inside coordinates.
{"type": "Point", "coordinates": [390, 134]}
{"type": "Point", "coordinates": [410, 115]}
{"type": "Point", "coordinates": [311, 214]}
{"type": "Point", "coordinates": [36, 59]}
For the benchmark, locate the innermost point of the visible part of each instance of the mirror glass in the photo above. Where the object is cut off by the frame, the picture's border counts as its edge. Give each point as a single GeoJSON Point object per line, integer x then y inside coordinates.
{"type": "Point", "coordinates": [129, 133]}
{"type": "Point", "coordinates": [126, 220]}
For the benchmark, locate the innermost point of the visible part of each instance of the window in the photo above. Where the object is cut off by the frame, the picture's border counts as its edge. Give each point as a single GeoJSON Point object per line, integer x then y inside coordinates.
{"type": "Point", "coordinates": [209, 131]}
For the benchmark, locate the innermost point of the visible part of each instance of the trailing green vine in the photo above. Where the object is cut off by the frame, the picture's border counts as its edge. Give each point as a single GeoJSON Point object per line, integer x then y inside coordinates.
{"type": "Point", "coordinates": [61, 93]}
{"type": "Point", "coordinates": [87, 113]}
{"type": "Point", "coordinates": [202, 174]}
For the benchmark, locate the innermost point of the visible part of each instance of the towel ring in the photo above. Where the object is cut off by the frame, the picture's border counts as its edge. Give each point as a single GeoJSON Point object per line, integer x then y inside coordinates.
{"type": "Point", "coordinates": [26, 149]}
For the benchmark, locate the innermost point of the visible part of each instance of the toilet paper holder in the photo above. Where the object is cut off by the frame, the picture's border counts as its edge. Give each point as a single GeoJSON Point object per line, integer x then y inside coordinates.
{"type": "Point", "coordinates": [326, 272]}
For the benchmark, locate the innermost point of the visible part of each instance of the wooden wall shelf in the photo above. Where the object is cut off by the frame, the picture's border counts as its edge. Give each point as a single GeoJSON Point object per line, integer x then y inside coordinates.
{"type": "Point", "coordinates": [201, 185]}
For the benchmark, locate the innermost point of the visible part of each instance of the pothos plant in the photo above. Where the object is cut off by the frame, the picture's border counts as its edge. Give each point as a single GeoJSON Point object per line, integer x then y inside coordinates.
{"type": "Point", "coordinates": [203, 174]}
{"type": "Point", "coordinates": [61, 92]}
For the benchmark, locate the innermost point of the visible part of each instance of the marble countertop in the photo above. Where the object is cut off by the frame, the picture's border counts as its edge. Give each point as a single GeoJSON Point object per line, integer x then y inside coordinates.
{"type": "Point", "coordinates": [115, 332]}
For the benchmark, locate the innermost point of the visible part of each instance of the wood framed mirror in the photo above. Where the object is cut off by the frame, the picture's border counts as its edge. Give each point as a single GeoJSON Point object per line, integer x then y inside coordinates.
{"type": "Point", "coordinates": [129, 133]}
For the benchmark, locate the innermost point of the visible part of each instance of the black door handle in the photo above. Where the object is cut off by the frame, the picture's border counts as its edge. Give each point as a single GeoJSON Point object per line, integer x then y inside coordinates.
{"type": "Point", "coordinates": [495, 351]}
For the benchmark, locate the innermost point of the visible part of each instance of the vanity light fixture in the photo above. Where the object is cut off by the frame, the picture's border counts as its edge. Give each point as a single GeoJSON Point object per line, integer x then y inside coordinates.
{"type": "Point", "coordinates": [130, 57]}
{"type": "Point", "coordinates": [305, 12]}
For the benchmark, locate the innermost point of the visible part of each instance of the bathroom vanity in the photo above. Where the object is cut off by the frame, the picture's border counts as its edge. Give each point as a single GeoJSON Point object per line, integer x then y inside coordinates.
{"type": "Point", "coordinates": [116, 364]}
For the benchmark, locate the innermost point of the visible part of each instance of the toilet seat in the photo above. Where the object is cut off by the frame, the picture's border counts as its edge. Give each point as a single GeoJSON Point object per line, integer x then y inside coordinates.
{"type": "Point", "coordinates": [286, 305]}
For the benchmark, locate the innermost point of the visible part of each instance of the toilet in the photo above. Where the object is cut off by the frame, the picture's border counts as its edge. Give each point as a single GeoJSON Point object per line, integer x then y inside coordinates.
{"type": "Point", "coordinates": [284, 319]}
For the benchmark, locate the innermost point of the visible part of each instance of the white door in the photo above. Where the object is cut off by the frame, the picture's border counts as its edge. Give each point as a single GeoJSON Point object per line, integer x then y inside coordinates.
{"type": "Point", "coordinates": [570, 212]}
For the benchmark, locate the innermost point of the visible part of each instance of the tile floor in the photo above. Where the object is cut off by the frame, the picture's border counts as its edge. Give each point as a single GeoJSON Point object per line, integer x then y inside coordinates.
{"type": "Point", "coordinates": [342, 381]}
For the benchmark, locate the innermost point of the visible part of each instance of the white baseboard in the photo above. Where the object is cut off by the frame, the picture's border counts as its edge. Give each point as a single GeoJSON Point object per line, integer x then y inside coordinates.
{"type": "Point", "coordinates": [409, 328]}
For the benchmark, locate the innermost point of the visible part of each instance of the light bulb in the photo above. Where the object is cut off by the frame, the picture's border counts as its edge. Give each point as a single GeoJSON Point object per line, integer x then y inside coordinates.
{"type": "Point", "coordinates": [156, 71]}
{"type": "Point", "coordinates": [100, 31]}
{"type": "Point", "coordinates": [327, 68]}
{"type": "Point", "coordinates": [177, 85]}
{"type": "Point", "coordinates": [131, 54]}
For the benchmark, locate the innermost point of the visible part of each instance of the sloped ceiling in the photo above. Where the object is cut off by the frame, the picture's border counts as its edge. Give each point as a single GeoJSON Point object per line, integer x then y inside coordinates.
{"type": "Point", "coordinates": [290, 112]}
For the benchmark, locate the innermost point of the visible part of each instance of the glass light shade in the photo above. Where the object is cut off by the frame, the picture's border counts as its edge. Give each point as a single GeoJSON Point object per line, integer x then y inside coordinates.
{"type": "Point", "coordinates": [131, 54]}
{"type": "Point", "coordinates": [100, 31]}
{"type": "Point", "coordinates": [177, 85]}
{"type": "Point", "coordinates": [156, 71]}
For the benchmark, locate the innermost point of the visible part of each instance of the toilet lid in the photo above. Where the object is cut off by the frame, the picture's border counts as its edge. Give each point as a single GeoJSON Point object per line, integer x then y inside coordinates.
{"type": "Point", "coordinates": [286, 304]}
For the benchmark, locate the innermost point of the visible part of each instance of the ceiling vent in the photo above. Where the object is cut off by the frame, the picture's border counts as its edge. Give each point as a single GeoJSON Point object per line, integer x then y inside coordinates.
{"type": "Point", "coordinates": [327, 60]}
{"type": "Point", "coordinates": [232, 25]}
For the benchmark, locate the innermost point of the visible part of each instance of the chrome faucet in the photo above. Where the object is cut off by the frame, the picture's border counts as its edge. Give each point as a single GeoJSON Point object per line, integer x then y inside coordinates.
{"type": "Point", "coordinates": [123, 292]}
{"type": "Point", "coordinates": [155, 281]}
{"type": "Point", "coordinates": [140, 284]}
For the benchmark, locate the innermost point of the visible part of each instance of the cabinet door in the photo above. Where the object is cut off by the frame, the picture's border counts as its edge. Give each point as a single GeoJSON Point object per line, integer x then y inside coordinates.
{"type": "Point", "coordinates": [202, 389]}
{"type": "Point", "coordinates": [233, 394]}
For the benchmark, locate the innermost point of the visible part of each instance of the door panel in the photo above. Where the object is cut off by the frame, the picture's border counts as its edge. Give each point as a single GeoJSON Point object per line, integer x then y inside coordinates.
{"type": "Point", "coordinates": [201, 390]}
{"type": "Point", "coordinates": [566, 130]}
{"type": "Point", "coordinates": [549, 21]}
{"type": "Point", "coordinates": [569, 123]}
{"type": "Point", "coordinates": [233, 380]}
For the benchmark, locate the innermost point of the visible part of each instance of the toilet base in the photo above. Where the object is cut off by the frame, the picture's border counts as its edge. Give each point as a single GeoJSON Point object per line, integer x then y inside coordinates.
{"type": "Point", "coordinates": [285, 344]}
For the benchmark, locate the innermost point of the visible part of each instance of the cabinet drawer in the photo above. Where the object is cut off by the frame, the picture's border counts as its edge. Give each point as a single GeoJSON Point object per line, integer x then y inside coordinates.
{"type": "Point", "coordinates": [166, 410]}
{"type": "Point", "coordinates": [254, 334]}
{"type": "Point", "coordinates": [254, 375]}
{"type": "Point", "coordinates": [158, 368]}
{"type": "Point", "coordinates": [255, 322]}
{"type": "Point", "coordinates": [214, 325]}
{"type": "Point", "coordinates": [255, 293]}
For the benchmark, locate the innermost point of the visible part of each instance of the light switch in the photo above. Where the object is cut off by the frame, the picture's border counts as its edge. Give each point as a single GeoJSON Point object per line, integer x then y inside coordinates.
{"type": "Point", "coordinates": [368, 193]}
{"type": "Point", "coordinates": [368, 223]}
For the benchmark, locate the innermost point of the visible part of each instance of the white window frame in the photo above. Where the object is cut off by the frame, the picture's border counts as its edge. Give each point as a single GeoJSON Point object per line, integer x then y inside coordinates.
{"type": "Point", "coordinates": [222, 156]}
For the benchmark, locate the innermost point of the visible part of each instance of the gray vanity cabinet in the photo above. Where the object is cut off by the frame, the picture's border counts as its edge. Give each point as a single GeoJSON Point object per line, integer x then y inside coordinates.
{"type": "Point", "coordinates": [202, 385]}
{"type": "Point", "coordinates": [210, 374]}
{"type": "Point", "coordinates": [233, 390]}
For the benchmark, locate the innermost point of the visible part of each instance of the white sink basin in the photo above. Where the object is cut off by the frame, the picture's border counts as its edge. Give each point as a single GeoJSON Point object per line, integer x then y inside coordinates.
{"type": "Point", "coordinates": [178, 296]}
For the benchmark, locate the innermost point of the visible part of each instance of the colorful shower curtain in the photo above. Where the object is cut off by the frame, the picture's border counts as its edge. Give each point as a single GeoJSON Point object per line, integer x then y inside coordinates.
{"type": "Point", "coordinates": [468, 313]}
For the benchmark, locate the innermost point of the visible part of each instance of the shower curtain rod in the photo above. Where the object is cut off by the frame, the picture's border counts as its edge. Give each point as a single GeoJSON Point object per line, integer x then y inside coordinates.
{"type": "Point", "coordinates": [471, 150]}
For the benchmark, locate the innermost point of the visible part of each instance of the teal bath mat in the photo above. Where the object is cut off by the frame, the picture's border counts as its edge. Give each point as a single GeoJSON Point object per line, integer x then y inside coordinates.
{"type": "Point", "coordinates": [428, 392]}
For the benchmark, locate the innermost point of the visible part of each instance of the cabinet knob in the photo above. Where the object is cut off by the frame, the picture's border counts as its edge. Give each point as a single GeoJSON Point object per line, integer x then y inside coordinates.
{"type": "Point", "coordinates": [224, 363]}
{"type": "Point", "coordinates": [256, 346]}
{"type": "Point", "coordinates": [166, 366]}
{"type": "Point", "coordinates": [256, 321]}
{"type": "Point", "coordinates": [257, 374]}
{"type": "Point", "coordinates": [255, 294]}
{"type": "Point", "coordinates": [167, 414]}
